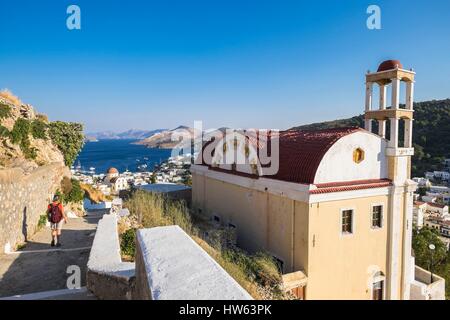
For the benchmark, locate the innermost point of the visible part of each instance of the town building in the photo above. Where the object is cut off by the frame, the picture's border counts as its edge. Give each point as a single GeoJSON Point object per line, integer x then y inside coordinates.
{"type": "Point", "coordinates": [419, 212]}
{"type": "Point", "coordinates": [338, 212]}
{"type": "Point", "coordinates": [422, 182]}
{"type": "Point", "coordinates": [115, 182]}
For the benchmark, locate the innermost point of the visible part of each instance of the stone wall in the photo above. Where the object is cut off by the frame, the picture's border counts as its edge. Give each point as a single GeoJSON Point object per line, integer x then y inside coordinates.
{"type": "Point", "coordinates": [23, 199]}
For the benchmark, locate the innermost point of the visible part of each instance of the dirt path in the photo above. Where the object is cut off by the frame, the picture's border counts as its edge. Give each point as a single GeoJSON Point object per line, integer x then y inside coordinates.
{"type": "Point", "coordinates": [38, 267]}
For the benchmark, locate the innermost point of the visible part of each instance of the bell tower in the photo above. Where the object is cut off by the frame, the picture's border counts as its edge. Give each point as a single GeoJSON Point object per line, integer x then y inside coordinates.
{"type": "Point", "coordinates": [400, 264]}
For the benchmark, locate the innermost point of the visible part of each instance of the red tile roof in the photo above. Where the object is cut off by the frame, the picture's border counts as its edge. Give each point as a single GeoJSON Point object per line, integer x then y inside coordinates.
{"type": "Point", "coordinates": [112, 170]}
{"type": "Point", "coordinates": [389, 65]}
{"type": "Point", "coordinates": [436, 205]}
{"type": "Point", "coordinates": [301, 152]}
{"type": "Point", "coordinates": [350, 186]}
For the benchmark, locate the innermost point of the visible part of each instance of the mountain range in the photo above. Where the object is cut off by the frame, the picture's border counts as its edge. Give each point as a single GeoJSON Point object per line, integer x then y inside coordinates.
{"type": "Point", "coordinates": [129, 134]}
{"type": "Point", "coordinates": [164, 139]}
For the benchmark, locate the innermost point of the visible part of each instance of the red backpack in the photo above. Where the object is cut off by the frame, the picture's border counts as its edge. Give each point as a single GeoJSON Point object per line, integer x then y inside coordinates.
{"type": "Point", "coordinates": [55, 214]}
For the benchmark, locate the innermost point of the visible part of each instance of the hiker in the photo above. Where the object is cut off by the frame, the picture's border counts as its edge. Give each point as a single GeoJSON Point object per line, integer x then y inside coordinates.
{"type": "Point", "coordinates": [56, 217]}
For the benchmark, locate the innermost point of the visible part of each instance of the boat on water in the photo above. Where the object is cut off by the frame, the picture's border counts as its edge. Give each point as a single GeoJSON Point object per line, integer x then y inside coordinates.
{"type": "Point", "coordinates": [142, 167]}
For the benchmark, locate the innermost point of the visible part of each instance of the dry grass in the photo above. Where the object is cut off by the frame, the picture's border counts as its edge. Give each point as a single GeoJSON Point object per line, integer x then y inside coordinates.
{"type": "Point", "coordinates": [153, 210]}
{"type": "Point", "coordinates": [94, 195]}
{"type": "Point", "coordinates": [10, 97]}
{"type": "Point", "coordinates": [258, 274]}
{"type": "Point", "coordinates": [233, 269]}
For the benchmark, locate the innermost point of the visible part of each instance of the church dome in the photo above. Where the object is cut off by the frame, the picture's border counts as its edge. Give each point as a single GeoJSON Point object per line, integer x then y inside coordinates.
{"type": "Point", "coordinates": [389, 65]}
{"type": "Point", "coordinates": [112, 170]}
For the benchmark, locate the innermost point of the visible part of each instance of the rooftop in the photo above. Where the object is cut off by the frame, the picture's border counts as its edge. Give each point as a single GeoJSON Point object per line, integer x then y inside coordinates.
{"type": "Point", "coordinates": [389, 65]}
{"type": "Point", "coordinates": [163, 187]}
{"type": "Point", "coordinates": [301, 152]}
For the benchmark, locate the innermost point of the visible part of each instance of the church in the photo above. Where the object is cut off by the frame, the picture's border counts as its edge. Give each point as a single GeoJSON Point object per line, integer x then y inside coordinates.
{"type": "Point", "coordinates": [337, 213]}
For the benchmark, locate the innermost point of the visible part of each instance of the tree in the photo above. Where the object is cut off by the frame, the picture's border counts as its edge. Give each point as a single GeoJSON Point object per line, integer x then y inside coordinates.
{"type": "Point", "coordinates": [421, 240]}
{"type": "Point", "coordinates": [153, 178]}
{"type": "Point", "coordinates": [69, 138]}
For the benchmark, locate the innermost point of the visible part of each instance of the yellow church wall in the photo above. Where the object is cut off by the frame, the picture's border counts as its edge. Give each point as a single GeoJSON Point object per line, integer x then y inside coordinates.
{"type": "Point", "coordinates": [248, 209]}
{"type": "Point", "coordinates": [340, 266]}
{"type": "Point", "coordinates": [301, 236]}
{"type": "Point", "coordinates": [337, 266]}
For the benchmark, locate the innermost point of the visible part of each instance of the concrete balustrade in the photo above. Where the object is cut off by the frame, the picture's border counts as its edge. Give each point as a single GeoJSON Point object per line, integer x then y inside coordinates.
{"type": "Point", "coordinates": [169, 266]}
{"type": "Point", "coordinates": [107, 276]}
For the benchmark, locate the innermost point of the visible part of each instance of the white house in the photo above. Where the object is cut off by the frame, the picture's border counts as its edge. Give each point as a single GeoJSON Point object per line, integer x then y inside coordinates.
{"type": "Point", "coordinates": [418, 213]}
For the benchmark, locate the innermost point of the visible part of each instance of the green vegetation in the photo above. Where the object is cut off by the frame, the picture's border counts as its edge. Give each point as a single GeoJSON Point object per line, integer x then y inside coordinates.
{"type": "Point", "coordinates": [441, 257]}
{"type": "Point", "coordinates": [39, 129]}
{"type": "Point", "coordinates": [68, 136]}
{"type": "Point", "coordinates": [258, 274]}
{"type": "Point", "coordinates": [42, 221]}
{"type": "Point", "coordinates": [20, 135]}
{"type": "Point", "coordinates": [431, 136]}
{"type": "Point", "coordinates": [5, 111]}
{"type": "Point", "coordinates": [4, 132]}
{"type": "Point", "coordinates": [20, 131]}
{"type": "Point", "coordinates": [71, 191]}
{"type": "Point", "coordinates": [128, 242]}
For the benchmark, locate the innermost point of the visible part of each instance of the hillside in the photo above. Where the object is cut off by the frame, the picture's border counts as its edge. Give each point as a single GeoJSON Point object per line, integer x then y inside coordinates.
{"type": "Point", "coordinates": [129, 134]}
{"type": "Point", "coordinates": [29, 140]}
{"type": "Point", "coordinates": [167, 139]}
{"type": "Point", "coordinates": [431, 133]}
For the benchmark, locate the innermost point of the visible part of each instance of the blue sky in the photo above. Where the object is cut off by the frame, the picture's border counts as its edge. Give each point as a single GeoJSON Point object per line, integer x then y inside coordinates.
{"type": "Point", "coordinates": [266, 64]}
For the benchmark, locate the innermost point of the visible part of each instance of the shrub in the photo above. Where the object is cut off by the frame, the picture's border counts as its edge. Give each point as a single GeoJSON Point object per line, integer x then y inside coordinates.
{"type": "Point", "coordinates": [42, 221]}
{"type": "Point", "coordinates": [71, 190]}
{"type": "Point", "coordinates": [128, 242]}
{"type": "Point", "coordinates": [39, 129]}
{"type": "Point", "coordinates": [152, 210]}
{"type": "Point", "coordinates": [4, 132]}
{"type": "Point", "coordinates": [5, 111]}
{"type": "Point", "coordinates": [261, 267]}
{"type": "Point", "coordinates": [20, 135]}
{"type": "Point", "coordinates": [20, 131]}
{"type": "Point", "coordinates": [66, 185]}
{"type": "Point", "coordinates": [68, 137]}
{"type": "Point", "coordinates": [421, 240]}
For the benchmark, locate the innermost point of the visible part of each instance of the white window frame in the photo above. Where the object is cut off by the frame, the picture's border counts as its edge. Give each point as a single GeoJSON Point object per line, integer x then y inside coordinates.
{"type": "Point", "coordinates": [371, 216]}
{"type": "Point", "coordinates": [346, 234]}
{"type": "Point", "coordinates": [378, 279]}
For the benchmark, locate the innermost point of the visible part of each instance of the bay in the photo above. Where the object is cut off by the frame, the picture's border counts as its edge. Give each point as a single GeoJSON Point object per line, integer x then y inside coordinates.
{"type": "Point", "coordinates": [120, 154]}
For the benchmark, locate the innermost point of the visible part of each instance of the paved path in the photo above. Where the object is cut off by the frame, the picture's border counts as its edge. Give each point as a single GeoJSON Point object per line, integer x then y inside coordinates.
{"type": "Point", "coordinates": [39, 268]}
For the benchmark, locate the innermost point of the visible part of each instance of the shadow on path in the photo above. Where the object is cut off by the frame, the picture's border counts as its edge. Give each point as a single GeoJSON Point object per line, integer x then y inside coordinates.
{"type": "Point", "coordinates": [40, 267]}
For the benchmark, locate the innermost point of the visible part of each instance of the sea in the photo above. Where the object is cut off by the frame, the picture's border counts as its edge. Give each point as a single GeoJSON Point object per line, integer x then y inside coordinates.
{"type": "Point", "coordinates": [120, 154]}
